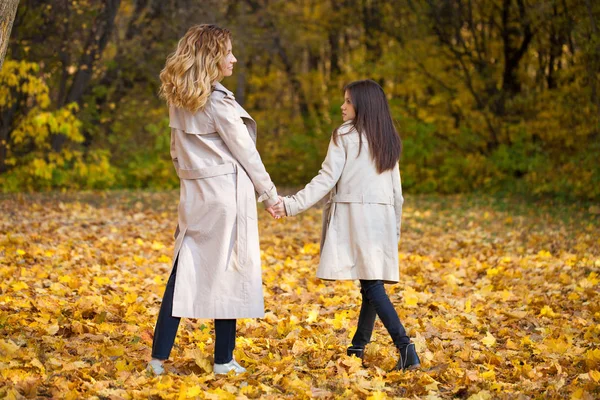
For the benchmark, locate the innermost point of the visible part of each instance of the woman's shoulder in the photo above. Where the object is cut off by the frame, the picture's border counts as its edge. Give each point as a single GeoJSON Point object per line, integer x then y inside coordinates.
{"type": "Point", "coordinates": [221, 100]}
{"type": "Point", "coordinates": [220, 92]}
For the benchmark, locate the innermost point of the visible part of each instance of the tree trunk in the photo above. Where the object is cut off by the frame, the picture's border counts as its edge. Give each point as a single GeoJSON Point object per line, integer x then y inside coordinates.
{"type": "Point", "coordinates": [512, 54]}
{"type": "Point", "coordinates": [281, 50]}
{"type": "Point", "coordinates": [334, 45]}
{"type": "Point", "coordinates": [594, 62]}
{"type": "Point", "coordinates": [240, 88]}
{"type": "Point", "coordinates": [97, 41]}
{"type": "Point", "coordinates": [6, 118]}
{"type": "Point", "coordinates": [372, 19]}
{"type": "Point", "coordinates": [8, 10]}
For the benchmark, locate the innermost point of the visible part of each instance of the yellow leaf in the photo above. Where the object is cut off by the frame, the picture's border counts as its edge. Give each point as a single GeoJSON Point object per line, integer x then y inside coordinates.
{"type": "Point", "coordinates": [595, 375]}
{"type": "Point", "coordinates": [311, 248]}
{"type": "Point", "coordinates": [37, 363]}
{"type": "Point", "coordinates": [580, 393]}
{"type": "Point", "coordinates": [114, 351]}
{"type": "Point", "coordinates": [19, 286]}
{"type": "Point", "coordinates": [299, 347]}
{"type": "Point", "coordinates": [526, 341]}
{"type": "Point", "coordinates": [102, 280]}
{"type": "Point", "coordinates": [122, 365]}
{"type": "Point", "coordinates": [483, 395]}
{"type": "Point", "coordinates": [130, 297]}
{"type": "Point", "coordinates": [20, 252]}
{"type": "Point", "coordinates": [410, 297]}
{"type": "Point", "coordinates": [218, 394]}
{"type": "Point", "coordinates": [547, 311]}
{"type": "Point", "coordinates": [8, 347]}
{"type": "Point", "coordinates": [164, 382]}
{"type": "Point", "coordinates": [489, 375]}
{"type": "Point", "coordinates": [489, 340]}
{"type": "Point", "coordinates": [573, 296]}
{"type": "Point", "coordinates": [339, 321]}
{"type": "Point", "coordinates": [312, 316]}
{"type": "Point", "coordinates": [157, 246]}
{"type": "Point", "coordinates": [193, 391]}
{"type": "Point", "coordinates": [52, 329]}
{"type": "Point", "coordinates": [164, 259]}
{"type": "Point", "coordinates": [468, 306]}
{"type": "Point", "coordinates": [377, 396]}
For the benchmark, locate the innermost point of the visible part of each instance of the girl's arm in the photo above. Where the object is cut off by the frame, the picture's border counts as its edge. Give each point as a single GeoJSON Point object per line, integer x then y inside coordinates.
{"type": "Point", "coordinates": [320, 185]}
{"type": "Point", "coordinates": [398, 199]}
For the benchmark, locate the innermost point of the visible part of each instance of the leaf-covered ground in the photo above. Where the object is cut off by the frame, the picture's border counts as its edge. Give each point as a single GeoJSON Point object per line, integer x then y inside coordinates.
{"type": "Point", "coordinates": [500, 296]}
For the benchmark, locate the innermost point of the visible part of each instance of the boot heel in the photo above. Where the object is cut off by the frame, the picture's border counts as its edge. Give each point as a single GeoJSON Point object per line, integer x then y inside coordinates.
{"type": "Point", "coordinates": [356, 351]}
{"type": "Point", "coordinates": [408, 358]}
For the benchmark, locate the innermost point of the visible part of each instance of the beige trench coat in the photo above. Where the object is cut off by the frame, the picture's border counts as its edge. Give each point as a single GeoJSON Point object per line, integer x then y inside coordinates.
{"type": "Point", "coordinates": [361, 221]}
{"type": "Point", "coordinates": [218, 269]}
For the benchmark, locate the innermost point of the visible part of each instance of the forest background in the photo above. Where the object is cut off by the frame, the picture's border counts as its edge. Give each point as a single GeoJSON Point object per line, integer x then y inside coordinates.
{"type": "Point", "coordinates": [489, 95]}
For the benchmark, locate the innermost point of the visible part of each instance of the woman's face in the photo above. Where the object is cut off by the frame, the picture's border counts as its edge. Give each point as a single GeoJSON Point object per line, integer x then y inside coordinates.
{"type": "Point", "coordinates": [348, 111]}
{"type": "Point", "coordinates": [226, 64]}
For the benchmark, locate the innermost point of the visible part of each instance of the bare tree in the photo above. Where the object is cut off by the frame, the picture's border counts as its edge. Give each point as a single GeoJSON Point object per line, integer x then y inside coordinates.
{"type": "Point", "coordinates": [8, 10]}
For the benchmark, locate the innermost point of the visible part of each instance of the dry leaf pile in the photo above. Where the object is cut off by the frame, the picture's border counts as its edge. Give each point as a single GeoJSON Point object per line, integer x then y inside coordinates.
{"type": "Point", "coordinates": [501, 300]}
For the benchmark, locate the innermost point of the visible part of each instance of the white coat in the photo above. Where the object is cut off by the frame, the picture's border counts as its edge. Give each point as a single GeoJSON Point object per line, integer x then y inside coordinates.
{"type": "Point", "coordinates": [361, 220]}
{"type": "Point", "coordinates": [217, 247]}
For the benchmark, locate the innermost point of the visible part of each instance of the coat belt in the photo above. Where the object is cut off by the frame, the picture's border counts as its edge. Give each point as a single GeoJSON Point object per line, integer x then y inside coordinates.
{"type": "Point", "coordinates": [363, 198]}
{"type": "Point", "coordinates": [206, 172]}
{"type": "Point", "coordinates": [241, 212]}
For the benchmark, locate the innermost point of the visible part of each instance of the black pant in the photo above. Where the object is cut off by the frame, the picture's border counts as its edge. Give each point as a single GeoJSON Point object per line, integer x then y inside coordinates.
{"type": "Point", "coordinates": [375, 302]}
{"type": "Point", "coordinates": [167, 325]}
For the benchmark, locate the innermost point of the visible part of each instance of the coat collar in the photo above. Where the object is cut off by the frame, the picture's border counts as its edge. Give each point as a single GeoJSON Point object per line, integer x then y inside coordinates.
{"type": "Point", "coordinates": [218, 86]}
{"type": "Point", "coordinates": [346, 127]}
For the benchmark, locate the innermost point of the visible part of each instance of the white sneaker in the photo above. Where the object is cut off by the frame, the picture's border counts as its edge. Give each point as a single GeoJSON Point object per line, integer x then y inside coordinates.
{"type": "Point", "coordinates": [230, 366]}
{"type": "Point", "coordinates": [156, 367]}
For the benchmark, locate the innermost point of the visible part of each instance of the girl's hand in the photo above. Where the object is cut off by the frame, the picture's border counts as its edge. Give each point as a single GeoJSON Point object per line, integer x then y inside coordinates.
{"type": "Point", "coordinates": [278, 209]}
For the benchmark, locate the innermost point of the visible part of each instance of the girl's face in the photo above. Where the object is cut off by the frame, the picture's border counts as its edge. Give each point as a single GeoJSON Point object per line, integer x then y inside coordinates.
{"type": "Point", "coordinates": [348, 111]}
{"type": "Point", "coordinates": [226, 64]}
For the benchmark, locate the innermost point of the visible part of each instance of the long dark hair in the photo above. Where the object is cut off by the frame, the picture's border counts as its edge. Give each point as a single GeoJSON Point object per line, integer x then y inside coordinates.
{"type": "Point", "coordinates": [373, 118]}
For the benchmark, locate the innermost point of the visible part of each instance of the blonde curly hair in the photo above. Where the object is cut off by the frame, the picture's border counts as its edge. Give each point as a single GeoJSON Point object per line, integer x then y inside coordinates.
{"type": "Point", "coordinates": [191, 71]}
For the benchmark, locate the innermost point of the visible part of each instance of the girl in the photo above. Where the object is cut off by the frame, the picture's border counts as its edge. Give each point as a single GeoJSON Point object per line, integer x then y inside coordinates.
{"type": "Point", "coordinates": [361, 221]}
{"type": "Point", "coordinates": [216, 273]}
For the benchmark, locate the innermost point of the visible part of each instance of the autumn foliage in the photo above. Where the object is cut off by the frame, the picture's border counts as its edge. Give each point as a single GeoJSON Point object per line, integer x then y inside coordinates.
{"type": "Point", "coordinates": [501, 298]}
{"type": "Point", "coordinates": [489, 95]}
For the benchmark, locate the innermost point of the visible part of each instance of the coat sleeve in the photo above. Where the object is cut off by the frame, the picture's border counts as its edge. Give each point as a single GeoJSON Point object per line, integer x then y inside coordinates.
{"type": "Point", "coordinates": [234, 133]}
{"type": "Point", "coordinates": [398, 199]}
{"type": "Point", "coordinates": [320, 185]}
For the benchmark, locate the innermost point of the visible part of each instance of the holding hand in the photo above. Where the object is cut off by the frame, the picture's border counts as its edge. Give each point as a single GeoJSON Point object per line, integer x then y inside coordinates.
{"type": "Point", "coordinates": [279, 209]}
{"type": "Point", "coordinates": [274, 210]}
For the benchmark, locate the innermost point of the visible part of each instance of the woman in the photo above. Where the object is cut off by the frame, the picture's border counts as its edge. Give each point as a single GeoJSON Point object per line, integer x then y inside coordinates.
{"type": "Point", "coordinates": [216, 272]}
{"type": "Point", "coordinates": [361, 223]}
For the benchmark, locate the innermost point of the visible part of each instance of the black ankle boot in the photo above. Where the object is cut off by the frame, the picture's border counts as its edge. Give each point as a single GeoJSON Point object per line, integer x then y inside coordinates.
{"type": "Point", "coordinates": [408, 358]}
{"type": "Point", "coordinates": [356, 351]}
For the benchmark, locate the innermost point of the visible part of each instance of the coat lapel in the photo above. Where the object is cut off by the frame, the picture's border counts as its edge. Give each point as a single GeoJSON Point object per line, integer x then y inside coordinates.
{"type": "Point", "coordinates": [248, 120]}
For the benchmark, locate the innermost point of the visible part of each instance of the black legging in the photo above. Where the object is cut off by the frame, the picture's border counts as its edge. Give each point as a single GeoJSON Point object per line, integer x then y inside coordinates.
{"type": "Point", "coordinates": [167, 325]}
{"type": "Point", "coordinates": [375, 302]}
